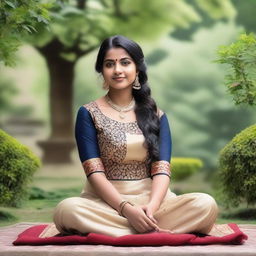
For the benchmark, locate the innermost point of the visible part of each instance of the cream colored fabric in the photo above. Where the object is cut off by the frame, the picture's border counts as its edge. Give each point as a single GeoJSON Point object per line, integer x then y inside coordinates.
{"type": "Point", "coordinates": [192, 212]}
{"type": "Point", "coordinates": [135, 149]}
{"type": "Point", "coordinates": [49, 231]}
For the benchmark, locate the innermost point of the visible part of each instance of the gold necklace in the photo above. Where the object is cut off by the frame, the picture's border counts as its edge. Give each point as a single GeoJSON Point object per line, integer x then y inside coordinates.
{"type": "Point", "coordinates": [121, 110]}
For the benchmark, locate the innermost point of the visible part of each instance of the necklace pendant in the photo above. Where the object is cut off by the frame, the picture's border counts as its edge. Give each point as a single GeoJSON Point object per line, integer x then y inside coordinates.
{"type": "Point", "coordinates": [121, 110]}
{"type": "Point", "coordinates": [121, 115]}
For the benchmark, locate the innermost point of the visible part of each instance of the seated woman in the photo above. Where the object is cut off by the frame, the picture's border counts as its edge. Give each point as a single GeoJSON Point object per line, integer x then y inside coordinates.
{"type": "Point", "coordinates": [124, 144]}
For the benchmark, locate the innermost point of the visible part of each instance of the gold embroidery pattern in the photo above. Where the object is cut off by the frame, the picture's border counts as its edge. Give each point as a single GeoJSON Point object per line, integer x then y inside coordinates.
{"type": "Point", "coordinates": [132, 171]}
{"type": "Point", "coordinates": [92, 165]}
{"type": "Point", "coordinates": [112, 141]}
{"type": "Point", "coordinates": [161, 167]}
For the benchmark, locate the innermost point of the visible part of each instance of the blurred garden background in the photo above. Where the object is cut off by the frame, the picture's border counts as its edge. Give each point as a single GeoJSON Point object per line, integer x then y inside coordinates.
{"type": "Point", "coordinates": [48, 51]}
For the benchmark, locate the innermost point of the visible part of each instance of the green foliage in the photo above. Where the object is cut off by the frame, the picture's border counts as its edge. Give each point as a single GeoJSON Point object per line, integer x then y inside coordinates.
{"type": "Point", "coordinates": [209, 12]}
{"type": "Point", "coordinates": [237, 168]}
{"type": "Point", "coordinates": [6, 216]}
{"type": "Point", "coordinates": [80, 26]}
{"type": "Point", "coordinates": [242, 214]}
{"type": "Point", "coordinates": [241, 79]}
{"type": "Point", "coordinates": [182, 168]}
{"type": "Point", "coordinates": [18, 164]}
{"type": "Point", "coordinates": [187, 86]}
{"type": "Point", "coordinates": [38, 193]}
{"type": "Point", "coordinates": [8, 105]}
{"type": "Point", "coordinates": [18, 18]}
{"type": "Point", "coordinates": [218, 8]}
{"type": "Point", "coordinates": [246, 14]}
{"type": "Point", "coordinates": [156, 56]}
{"type": "Point", "coordinates": [7, 91]}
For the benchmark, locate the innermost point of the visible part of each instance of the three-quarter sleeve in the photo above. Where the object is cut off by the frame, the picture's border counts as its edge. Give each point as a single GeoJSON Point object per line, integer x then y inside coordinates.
{"type": "Point", "coordinates": [162, 166]}
{"type": "Point", "coordinates": [87, 142]}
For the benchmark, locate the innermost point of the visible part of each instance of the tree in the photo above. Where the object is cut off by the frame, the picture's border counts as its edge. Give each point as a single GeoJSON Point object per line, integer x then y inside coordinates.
{"type": "Point", "coordinates": [78, 27]}
{"type": "Point", "coordinates": [17, 18]}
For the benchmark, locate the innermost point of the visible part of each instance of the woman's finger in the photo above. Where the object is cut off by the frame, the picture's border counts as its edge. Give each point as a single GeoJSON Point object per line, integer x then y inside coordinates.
{"type": "Point", "coordinates": [149, 214]}
{"type": "Point", "coordinates": [150, 223]}
{"type": "Point", "coordinates": [152, 218]}
{"type": "Point", "coordinates": [161, 230]}
{"type": "Point", "coordinates": [139, 227]}
{"type": "Point", "coordinates": [144, 227]}
{"type": "Point", "coordinates": [146, 223]}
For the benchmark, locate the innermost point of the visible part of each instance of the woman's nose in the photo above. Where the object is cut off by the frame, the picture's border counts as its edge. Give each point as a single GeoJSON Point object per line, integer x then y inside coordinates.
{"type": "Point", "coordinates": [118, 68]}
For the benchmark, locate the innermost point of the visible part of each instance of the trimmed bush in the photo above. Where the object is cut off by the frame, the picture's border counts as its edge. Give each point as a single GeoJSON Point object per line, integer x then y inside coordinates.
{"type": "Point", "coordinates": [182, 168]}
{"type": "Point", "coordinates": [237, 168]}
{"type": "Point", "coordinates": [17, 166]}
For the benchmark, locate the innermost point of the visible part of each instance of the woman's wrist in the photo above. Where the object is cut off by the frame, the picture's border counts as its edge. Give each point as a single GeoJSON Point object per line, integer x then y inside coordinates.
{"type": "Point", "coordinates": [122, 206]}
{"type": "Point", "coordinates": [155, 205]}
{"type": "Point", "coordinates": [125, 208]}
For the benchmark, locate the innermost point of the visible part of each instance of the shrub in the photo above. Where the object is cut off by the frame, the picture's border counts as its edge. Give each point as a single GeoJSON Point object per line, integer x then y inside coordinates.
{"type": "Point", "coordinates": [237, 168]}
{"type": "Point", "coordinates": [18, 165]}
{"type": "Point", "coordinates": [182, 168]}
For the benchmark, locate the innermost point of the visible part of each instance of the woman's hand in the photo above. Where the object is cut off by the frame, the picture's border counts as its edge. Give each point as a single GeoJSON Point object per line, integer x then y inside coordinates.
{"type": "Point", "coordinates": [149, 210]}
{"type": "Point", "coordinates": [138, 219]}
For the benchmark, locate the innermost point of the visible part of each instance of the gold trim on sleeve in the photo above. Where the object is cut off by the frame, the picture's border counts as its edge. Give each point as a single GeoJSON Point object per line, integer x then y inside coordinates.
{"type": "Point", "coordinates": [93, 165]}
{"type": "Point", "coordinates": [160, 167]}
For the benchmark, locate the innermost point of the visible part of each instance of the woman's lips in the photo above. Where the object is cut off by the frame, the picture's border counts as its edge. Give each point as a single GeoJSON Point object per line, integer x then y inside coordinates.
{"type": "Point", "coordinates": [118, 79]}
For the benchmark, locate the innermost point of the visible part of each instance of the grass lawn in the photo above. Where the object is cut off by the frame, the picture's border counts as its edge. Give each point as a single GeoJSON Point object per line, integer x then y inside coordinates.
{"type": "Point", "coordinates": [51, 189]}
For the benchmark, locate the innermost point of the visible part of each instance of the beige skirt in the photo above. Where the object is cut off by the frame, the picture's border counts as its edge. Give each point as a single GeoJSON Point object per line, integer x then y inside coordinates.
{"type": "Point", "coordinates": [191, 212]}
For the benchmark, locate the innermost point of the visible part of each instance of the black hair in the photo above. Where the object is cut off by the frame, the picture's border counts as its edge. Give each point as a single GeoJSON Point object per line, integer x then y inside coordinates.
{"type": "Point", "coordinates": [146, 109]}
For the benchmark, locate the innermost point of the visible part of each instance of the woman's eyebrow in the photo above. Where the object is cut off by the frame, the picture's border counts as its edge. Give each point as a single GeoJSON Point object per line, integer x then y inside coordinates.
{"type": "Point", "coordinates": [116, 59]}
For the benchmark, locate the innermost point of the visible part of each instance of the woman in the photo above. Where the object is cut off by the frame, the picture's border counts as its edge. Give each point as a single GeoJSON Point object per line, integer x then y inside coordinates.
{"type": "Point", "coordinates": [124, 144]}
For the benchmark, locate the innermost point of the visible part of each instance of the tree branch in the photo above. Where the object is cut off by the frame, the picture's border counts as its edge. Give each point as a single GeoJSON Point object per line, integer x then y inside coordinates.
{"type": "Point", "coordinates": [81, 4]}
{"type": "Point", "coordinates": [117, 9]}
{"type": "Point", "coordinates": [54, 47]}
{"type": "Point", "coordinates": [118, 12]}
{"type": "Point", "coordinates": [104, 3]}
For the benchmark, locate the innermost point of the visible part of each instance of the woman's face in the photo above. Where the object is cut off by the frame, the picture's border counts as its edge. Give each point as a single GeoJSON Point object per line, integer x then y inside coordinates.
{"type": "Point", "coordinates": [119, 69]}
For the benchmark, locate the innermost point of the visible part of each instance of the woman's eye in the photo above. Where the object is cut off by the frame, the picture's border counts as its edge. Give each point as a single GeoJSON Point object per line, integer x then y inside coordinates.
{"type": "Point", "coordinates": [125, 63]}
{"type": "Point", "coordinates": [109, 64]}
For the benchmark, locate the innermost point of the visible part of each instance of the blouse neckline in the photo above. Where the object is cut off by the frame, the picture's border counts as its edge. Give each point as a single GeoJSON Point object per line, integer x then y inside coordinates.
{"type": "Point", "coordinates": [111, 119]}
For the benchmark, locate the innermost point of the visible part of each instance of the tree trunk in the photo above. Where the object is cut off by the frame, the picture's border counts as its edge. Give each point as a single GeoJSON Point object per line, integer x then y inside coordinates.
{"type": "Point", "coordinates": [58, 147]}
{"type": "Point", "coordinates": [61, 98]}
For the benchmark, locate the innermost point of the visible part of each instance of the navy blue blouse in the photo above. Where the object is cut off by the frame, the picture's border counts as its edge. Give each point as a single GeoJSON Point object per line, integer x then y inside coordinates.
{"type": "Point", "coordinates": [106, 145]}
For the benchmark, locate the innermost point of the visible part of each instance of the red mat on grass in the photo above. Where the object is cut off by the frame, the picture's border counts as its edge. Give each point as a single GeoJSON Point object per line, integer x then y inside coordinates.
{"type": "Point", "coordinates": [224, 234]}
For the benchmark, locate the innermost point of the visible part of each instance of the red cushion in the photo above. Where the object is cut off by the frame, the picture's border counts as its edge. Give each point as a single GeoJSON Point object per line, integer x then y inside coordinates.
{"type": "Point", "coordinates": [31, 237]}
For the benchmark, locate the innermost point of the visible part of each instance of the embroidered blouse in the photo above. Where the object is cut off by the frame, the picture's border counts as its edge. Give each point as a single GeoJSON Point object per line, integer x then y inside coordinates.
{"type": "Point", "coordinates": [117, 148]}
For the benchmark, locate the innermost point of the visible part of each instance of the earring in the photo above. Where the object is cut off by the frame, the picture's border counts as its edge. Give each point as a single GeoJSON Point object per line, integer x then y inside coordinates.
{"type": "Point", "coordinates": [136, 84]}
{"type": "Point", "coordinates": [105, 86]}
